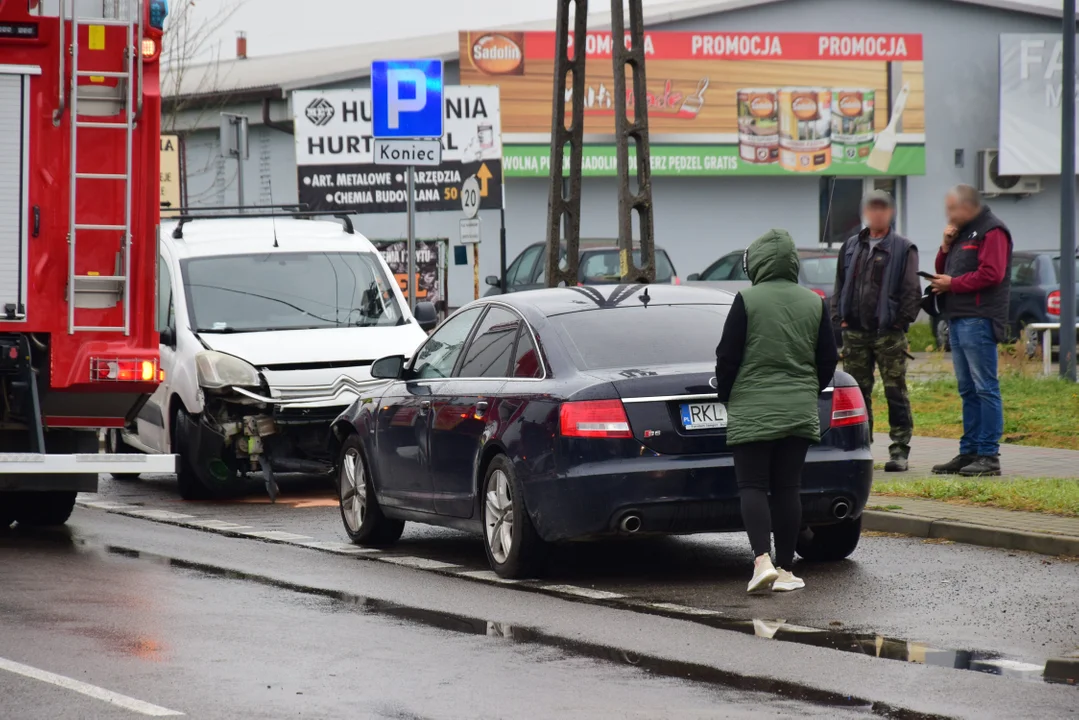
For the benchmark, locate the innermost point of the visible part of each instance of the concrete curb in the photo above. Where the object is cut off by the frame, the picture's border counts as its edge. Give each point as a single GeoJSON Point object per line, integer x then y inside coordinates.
{"type": "Point", "coordinates": [920, 526]}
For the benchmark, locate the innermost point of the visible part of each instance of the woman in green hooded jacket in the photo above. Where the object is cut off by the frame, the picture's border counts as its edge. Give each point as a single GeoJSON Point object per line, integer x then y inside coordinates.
{"type": "Point", "coordinates": [776, 356]}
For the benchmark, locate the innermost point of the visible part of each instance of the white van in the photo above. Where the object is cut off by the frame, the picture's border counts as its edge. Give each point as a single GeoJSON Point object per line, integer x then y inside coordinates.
{"type": "Point", "coordinates": [269, 326]}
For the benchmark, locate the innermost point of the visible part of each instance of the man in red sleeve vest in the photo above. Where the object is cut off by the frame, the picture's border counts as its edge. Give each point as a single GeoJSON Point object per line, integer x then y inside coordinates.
{"type": "Point", "coordinates": [974, 285]}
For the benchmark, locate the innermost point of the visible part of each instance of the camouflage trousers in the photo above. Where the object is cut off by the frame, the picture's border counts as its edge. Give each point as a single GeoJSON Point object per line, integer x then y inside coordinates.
{"type": "Point", "coordinates": [862, 351]}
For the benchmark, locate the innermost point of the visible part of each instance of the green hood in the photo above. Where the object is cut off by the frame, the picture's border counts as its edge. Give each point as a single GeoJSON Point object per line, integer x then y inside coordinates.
{"type": "Point", "coordinates": [772, 256]}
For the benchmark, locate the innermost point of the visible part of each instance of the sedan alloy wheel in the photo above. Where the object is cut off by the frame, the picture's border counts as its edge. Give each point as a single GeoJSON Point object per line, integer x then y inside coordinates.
{"type": "Point", "coordinates": [513, 547]}
{"type": "Point", "coordinates": [353, 484]}
{"type": "Point", "coordinates": [361, 514]}
{"type": "Point", "coordinates": [498, 516]}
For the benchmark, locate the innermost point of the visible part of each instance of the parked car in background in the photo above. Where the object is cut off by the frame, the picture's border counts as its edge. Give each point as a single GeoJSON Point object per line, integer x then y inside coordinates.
{"type": "Point", "coordinates": [551, 416]}
{"type": "Point", "coordinates": [1035, 298]}
{"type": "Point", "coordinates": [817, 272]}
{"type": "Point", "coordinates": [818, 268]}
{"type": "Point", "coordinates": [599, 265]}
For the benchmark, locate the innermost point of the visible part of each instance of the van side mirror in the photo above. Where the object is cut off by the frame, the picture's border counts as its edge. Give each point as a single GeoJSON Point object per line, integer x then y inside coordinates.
{"type": "Point", "coordinates": [693, 277]}
{"type": "Point", "coordinates": [168, 337]}
{"type": "Point", "coordinates": [493, 281]}
{"type": "Point", "coordinates": [426, 316]}
{"type": "Point", "coordinates": [388, 368]}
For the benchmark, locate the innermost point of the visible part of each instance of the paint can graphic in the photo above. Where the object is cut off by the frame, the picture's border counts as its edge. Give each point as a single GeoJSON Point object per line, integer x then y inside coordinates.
{"type": "Point", "coordinates": [805, 129]}
{"type": "Point", "coordinates": [852, 124]}
{"type": "Point", "coordinates": [758, 126]}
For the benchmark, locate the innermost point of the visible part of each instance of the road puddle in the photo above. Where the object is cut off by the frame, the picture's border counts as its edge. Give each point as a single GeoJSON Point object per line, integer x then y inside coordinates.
{"type": "Point", "coordinates": [863, 643]}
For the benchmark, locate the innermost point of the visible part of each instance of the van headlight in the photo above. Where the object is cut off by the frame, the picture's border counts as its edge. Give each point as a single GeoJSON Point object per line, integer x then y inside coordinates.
{"type": "Point", "coordinates": [218, 370]}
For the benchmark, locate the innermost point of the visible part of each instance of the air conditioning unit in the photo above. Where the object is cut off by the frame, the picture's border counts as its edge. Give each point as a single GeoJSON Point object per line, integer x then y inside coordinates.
{"type": "Point", "coordinates": [991, 182]}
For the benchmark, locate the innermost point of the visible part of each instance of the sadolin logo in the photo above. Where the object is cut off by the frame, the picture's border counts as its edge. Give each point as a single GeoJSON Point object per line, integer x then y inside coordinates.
{"type": "Point", "coordinates": [319, 112]}
{"type": "Point", "coordinates": [498, 53]}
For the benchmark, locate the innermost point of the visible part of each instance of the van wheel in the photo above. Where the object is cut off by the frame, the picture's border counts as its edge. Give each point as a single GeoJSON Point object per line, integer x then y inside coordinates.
{"type": "Point", "coordinates": [44, 509]}
{"type": "Point", "coordinates": [513, 547]}
{"type": "Point", "coordinates": [115, 445]}
{"type": "Point", "coordinates": [829, 543]}
{"type": "Point", "coordinates": [190, 486]}
{"type": "Point", "coordinates": [360, 512]}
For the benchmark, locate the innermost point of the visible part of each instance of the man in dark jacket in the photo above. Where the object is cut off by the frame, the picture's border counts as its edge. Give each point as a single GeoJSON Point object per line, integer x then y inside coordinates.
{"type": "Point", "coordinates": [974, 284]}
{"type": "Point", "coordinates": [877, 296]}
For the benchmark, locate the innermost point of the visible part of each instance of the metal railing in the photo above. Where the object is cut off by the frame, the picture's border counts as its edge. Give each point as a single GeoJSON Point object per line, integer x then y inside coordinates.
{"type": "Point", "coordinates": [1046, 330]}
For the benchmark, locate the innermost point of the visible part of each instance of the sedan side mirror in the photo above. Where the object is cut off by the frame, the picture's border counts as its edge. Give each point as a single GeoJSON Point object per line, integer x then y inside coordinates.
{"type": "Point", "coordinates": [426, 316]}
{"type": "Point", "coordinates": [388, 368]}
{"type": "Point", "coordinates": [493, 281]}
{"type": "Point", "coordinates": [693, 277]}
{"type": "Point", "coordinates": [168, 337]}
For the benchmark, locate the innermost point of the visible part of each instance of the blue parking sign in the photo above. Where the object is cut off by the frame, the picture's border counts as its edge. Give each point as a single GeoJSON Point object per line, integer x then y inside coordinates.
{"type": "Point", "coordinates": [406, 98]}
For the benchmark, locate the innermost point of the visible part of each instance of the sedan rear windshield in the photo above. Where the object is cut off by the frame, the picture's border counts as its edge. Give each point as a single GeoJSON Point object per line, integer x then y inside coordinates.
{"type": "Point", "coordinates": [604, 266]}
{"type": "Point", "coordinates": [820, 270]}
{"type": "Point", "coordinates": [1056, 269]}
{"type": "Point", "coordinates": [288, 291]}
{"type": "Point", "coordinates": [640, 336]}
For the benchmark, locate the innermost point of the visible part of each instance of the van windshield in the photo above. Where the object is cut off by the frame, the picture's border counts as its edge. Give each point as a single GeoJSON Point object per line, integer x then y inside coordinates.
{"type": "Point", "coordinates": [288, 291]}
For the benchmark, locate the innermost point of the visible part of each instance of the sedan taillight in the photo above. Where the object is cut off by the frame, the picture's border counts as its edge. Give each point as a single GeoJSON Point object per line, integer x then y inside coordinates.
{"type": "Point", "coordinates": [1052, 306]}
{"type": "Point", "coordinates": [820, 293]}
{"type": "Point", "coordinates": [594, 419]}
{"type": "Point", "coordinates": [848, 407]}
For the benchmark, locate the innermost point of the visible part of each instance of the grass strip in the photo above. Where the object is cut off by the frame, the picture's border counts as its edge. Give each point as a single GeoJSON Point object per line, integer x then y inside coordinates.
{"type": "Point", "coordinates": [1053, 496]}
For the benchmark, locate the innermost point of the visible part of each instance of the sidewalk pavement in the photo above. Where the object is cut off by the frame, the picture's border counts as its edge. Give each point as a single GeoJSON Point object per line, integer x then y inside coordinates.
{"type": "Point", "coordinates": [993, 527]}
{"type": "Point", "coordinates": [1015, 460]}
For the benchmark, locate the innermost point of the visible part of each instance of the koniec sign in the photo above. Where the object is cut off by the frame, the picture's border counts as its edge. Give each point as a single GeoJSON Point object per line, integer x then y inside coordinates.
{"type": "Point", "coordinates": [721, 103]}
{"type": "Point", "coordinates": [336, 164]}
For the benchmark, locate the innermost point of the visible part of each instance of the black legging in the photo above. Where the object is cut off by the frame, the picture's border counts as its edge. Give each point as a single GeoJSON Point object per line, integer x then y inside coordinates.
{"type": "Point", "coordinates": [774, 465]}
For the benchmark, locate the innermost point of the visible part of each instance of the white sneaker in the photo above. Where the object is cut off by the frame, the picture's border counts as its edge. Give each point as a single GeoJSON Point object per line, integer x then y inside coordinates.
{"type": "Point", "coordinates": [787, 581]}
{"type": "Point", "coordinates": [764, 574]}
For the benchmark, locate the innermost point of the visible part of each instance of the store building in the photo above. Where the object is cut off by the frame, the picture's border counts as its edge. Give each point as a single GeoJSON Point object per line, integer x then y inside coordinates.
{"type": "Point", "coordinates": [708, 199]}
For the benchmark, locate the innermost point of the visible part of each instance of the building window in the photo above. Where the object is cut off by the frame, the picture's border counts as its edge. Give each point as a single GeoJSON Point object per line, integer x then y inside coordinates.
{"type": "Point", "coordinates": [841, 205]}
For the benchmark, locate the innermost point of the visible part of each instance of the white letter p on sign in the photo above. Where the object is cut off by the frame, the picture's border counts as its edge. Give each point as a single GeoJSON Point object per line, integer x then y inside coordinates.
{"type": "Point", "coordinates": [395, 104]}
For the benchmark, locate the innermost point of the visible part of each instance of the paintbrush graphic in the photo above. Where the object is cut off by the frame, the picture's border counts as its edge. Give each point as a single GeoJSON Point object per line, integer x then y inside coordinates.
{"type": "Point", "coordinates": [881, 157]}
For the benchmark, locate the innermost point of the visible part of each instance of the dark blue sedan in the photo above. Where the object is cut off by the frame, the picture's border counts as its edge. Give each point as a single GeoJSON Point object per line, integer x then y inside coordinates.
{"type": "Point", "coordinates": [576, 413]}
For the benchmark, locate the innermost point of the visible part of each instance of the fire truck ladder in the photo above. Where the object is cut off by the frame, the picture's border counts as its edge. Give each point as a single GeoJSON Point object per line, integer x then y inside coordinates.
{"type": "Point", "coordinates": [109, 285]}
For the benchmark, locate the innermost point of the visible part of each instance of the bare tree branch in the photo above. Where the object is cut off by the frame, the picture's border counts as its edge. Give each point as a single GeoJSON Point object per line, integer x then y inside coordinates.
{"type": "Point", "coordinates": [190, 59]}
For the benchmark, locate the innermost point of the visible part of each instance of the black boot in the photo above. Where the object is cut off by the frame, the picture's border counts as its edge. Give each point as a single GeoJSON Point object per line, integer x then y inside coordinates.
{"type": "Point", "coordinates": [896, 464]}
{"type": "Point", "coordinates": [954, 465]}
{"type": "Point", "coordinates": [984, 466]}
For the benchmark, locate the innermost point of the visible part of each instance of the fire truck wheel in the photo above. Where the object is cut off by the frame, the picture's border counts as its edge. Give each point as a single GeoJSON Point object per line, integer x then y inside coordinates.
{"type": "Point", "coordinates": [42, 509]}
{"type": "Point", "coordinates": [7, 510]}
{"type": "Point", "coordinates": [115, 445]}
{"type": "Point", "coordinates": [191, 487]}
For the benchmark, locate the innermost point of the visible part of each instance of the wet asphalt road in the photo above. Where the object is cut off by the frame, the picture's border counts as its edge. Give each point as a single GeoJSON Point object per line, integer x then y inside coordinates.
{"type": "Point", "coordinates": [947, 597]}
{"type": "Point", "coordinates": [201, 624]}
{"type": "Point", "coordinates": [190, 640]}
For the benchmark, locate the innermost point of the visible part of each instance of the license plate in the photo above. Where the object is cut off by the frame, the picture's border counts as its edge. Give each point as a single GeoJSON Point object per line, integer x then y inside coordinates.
{"type": "Point", "coordinates": [704, 416]}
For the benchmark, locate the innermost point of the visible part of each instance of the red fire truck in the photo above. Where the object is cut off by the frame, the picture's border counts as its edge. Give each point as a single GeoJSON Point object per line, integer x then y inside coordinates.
{"type": "Point", "coordinates": [80, 105]}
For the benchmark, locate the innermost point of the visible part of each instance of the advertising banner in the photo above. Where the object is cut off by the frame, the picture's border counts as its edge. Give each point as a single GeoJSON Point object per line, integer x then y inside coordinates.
{"type": "Point", "coordinates": [170, 173]}
{"type": "Point", "coordinates": [722, 104]}
{"type": "Point", "coordinates": [430, 263]}
{"type": "Point", "coordinates": [335, 159]}
{"type": "Point", "coordinates": [1030, 88]}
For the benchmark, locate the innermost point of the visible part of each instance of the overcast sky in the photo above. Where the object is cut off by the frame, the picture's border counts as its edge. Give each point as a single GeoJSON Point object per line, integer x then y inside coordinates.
{"type": "Point", "coordinates": [277, 26]}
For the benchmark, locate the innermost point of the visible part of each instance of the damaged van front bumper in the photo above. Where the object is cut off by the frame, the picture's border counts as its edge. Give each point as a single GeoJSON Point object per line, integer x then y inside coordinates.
{"type": "Point", "coordinates": [285, 430]}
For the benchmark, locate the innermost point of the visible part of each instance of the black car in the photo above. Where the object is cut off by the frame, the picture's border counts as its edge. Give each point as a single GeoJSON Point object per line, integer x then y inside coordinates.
{"type": "Point", "coordinates": [1035, 297]}
{"type": "Point", "coordinates": [599, 265]}
{"type": "Point", "coordinates": [575, 413]}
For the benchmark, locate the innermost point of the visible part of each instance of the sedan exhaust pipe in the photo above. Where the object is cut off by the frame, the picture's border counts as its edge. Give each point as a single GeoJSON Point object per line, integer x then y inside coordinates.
{"type": "Point", "coordinates": [630, 524]}
{"type": "Point", "coordinates": [840, 509]}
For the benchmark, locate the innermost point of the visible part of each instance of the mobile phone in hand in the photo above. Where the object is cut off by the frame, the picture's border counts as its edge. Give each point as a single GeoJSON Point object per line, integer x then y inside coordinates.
{"type": "Point", "coordinates": [927, 276]}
